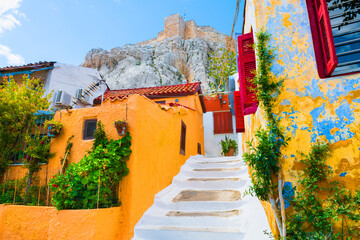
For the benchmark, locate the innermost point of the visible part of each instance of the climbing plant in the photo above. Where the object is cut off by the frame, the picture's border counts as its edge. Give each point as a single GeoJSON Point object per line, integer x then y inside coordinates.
{"type": "Point", "coordinates": [314, 216]}
{"type": "Point", "coordinates": [37, 152]}
{"type": "Point", "coordinates": [220, 68]}
{"type": "Point", "coordinates": [18, 103]}
{"type": "Point", "coordinates": [92, 182]}
{"type": "Point", "coordinates": [264, 157]}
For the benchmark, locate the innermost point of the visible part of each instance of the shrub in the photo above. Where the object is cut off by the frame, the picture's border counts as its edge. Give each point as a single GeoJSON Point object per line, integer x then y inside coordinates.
{"type": "Point", "coordinates": [18, 103]}
{"type": "Point", "coordinates": [92, 182]}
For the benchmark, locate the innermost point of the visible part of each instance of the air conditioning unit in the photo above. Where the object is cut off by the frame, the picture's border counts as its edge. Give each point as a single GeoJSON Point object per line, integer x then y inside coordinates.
{"type": "Point", "coordinates": [81, 97]}
{"type": "Point", "coordinates": [62, 98]}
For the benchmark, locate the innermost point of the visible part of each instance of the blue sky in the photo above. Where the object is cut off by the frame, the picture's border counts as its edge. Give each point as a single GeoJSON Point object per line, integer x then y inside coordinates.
{"type": "Point", "coordinates": [65, 30]}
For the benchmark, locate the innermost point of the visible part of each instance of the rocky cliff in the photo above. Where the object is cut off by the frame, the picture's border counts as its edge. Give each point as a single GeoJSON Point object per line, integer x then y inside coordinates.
{"type": "Point", "coordinates": [179, 53]}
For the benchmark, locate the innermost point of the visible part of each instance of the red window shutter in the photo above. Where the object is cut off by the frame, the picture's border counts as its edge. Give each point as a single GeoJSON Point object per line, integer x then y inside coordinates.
{"type": "Point", "coordinates": [247, 67]}
{"type": "Point", "coordinates": [239, 116]}
{"type": "Point", "coordinates": [222, 122]}
{"type": "Point", "coordinates": [325, 35]}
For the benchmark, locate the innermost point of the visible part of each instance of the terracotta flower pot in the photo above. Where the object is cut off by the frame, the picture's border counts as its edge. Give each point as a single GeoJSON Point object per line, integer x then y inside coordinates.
{"type": "Point", "coordinates": [230, 153]}
{"type": "Point", "coordinates": [122, 129]}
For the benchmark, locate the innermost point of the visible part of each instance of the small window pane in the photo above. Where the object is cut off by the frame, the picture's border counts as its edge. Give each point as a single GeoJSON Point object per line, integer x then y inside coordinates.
{"type": "Point", "coordinates": [89, 129]}
{"type": "Point", "coordinates": [345, 22]}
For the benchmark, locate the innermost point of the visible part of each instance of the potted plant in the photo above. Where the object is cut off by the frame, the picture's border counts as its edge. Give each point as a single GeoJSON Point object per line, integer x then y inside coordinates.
{"type": "Point", "coordinates": [121, 127]}
{"type": "Point", "coordinates": [53, 127]}
{"type": "Point", "coordinates": [228, 147]}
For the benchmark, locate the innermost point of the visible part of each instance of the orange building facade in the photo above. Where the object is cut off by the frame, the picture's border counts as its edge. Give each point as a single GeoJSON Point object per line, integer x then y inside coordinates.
{"type": "Point", "coordinates": [156, 130]}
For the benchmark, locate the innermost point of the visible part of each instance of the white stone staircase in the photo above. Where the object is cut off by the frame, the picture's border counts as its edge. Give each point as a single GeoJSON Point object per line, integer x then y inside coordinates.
{"type": "Point", "coordinates": [205, 201]}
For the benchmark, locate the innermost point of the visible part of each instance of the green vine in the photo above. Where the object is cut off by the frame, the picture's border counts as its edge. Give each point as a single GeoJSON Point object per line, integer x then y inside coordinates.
{"type": "Point", "coordinates": [37, 152]}
{"type": "Point", "coordinates": [316, 217]}
{"type": "Point", "coordinates": [264, 157]}
{"type": "Point", "coordinates": [93, 181]}
{"type": "Point", "coordinates": [312, 216]}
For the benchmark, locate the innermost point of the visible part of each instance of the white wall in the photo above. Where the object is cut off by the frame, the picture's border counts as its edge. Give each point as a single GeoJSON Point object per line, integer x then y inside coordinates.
{"type": "Point", "coordinates": [211, 140]}
{"type": "Point", "coordinates": [68, 78]}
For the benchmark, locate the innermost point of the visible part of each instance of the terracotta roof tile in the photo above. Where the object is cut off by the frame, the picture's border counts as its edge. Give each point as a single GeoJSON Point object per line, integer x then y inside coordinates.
{"type": "Point", "coordinates": [153, 92]}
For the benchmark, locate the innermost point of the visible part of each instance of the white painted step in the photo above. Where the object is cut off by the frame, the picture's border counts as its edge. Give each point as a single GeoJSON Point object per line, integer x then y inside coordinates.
{"type": "Point", "coordinates": [205, 201]}
{"type": "Point", "coordinates": [150, 232]}
{"type": "Point", "coordinates": [182, 181]}
{"type": "Point", "coordinates": [159, 216]}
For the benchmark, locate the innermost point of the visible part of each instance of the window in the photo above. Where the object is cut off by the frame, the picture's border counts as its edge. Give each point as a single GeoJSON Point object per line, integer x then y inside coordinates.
{"type": "Point", "coordinates": [182, 138]}
{"type": "Point", "coordinates": [89, 129]}
{"type": "Point", "coordinates": [199, 148]}
{"type": "Point", "coordinates": [160, 102]}
{"type": "Point", "coordinates": [239, 116]}
{"type": "Point", "coordinates": [335, 27]}
{"type": "Point", "coordinates": [247, 68]}
{"type": "Point", "coordinates": [222, 122]}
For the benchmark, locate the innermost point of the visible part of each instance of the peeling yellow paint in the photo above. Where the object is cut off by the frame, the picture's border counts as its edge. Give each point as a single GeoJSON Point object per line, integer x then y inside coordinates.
{"type": "Point", "coordinates": [304, 93]}
{"type": "Point", "coordinates": [286, 21]}
{"type": "Point", "coordinates": [333, 130]}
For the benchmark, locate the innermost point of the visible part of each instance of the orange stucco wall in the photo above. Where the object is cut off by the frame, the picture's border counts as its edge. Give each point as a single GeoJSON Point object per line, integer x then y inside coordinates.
{"type": "Point", "coordinates": [40, 223]}
{"type": "Point", "coordinates": [155, 130]}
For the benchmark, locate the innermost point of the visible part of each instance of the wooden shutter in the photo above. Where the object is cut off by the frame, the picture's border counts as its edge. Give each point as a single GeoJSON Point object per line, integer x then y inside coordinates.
{"type": "Point", "coordinates": [239, 116]}
{"type": "Point", "coordinates": [247, 67]}
{"type": "Point", "coordinates": [222, 122]}
{"type": "Point", "coordinates": [325, 36]}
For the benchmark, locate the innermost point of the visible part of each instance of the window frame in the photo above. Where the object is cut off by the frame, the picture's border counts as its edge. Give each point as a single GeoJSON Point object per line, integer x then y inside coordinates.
{"type": "Point", "coordinates": [86, 122]}
{"type": "Point", "coordinates": [317, 43]}
{"type": "Point", "coordinates": [182, 138]}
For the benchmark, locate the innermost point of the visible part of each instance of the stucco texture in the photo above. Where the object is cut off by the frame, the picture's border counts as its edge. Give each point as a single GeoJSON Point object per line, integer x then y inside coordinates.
{"type": "Point", "coordinates": [45, 223]}
{"type": "Point", "coordinates": [310, 108]}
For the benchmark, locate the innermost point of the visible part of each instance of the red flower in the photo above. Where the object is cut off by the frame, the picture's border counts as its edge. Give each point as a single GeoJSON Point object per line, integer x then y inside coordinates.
{"type": "Point", "coordinates": [42, 142]}
{"type": "Point", "coordinates": [55, 185]}
{"type": "Point", "coordinates": [31, 148]}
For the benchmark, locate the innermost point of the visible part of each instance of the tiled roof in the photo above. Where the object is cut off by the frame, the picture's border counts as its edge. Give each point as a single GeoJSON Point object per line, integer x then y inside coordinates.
{"type": "Point", "coordinates": [29, 66]}
{"type": "Point", "coordinates": [154, 92]}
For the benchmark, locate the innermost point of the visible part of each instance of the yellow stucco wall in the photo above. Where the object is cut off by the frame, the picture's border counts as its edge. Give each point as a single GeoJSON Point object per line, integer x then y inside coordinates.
{"type": "Point", "coordinates": [155, 130]}
{"type": "Point", "coordinates": [311, 108]}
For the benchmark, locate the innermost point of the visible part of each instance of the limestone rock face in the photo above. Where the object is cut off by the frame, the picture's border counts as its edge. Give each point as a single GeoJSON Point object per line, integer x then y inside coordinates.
{"type": "Point", "coordinates": [180, 53]}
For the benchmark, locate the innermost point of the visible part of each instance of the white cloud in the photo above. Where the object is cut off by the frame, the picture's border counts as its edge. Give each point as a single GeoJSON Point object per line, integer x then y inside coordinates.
{"type": "Point", "coordinates": [12, 58]}
{"type": "Point", "coordinates": [7, 5]}
{"type": "Point", "coordinates": [9, 15]}
{"type": "Point", "coordinates": [8, 22]}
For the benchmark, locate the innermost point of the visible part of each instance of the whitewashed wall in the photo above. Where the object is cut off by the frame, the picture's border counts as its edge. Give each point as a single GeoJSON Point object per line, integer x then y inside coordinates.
{"type": "Point", "coordinates": [68, 78]}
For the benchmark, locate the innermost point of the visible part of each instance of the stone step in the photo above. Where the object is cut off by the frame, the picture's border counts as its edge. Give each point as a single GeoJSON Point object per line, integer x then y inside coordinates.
{"type": "Point", "coordinates": [192, 199]}
{"type": "Point", "coordinates": [201, 158]}
{"type": "Point", "coordinates": [156, 232]}
{"type": "Point", "coordinates": [232, 172]}
{"type": "Point", "coordinates": [224, 164]}
{"type": "Point", "coordinates": [205, 202]}
{"type": "Point", "coordinates": [186, 182]}
{"type": "Point", "coordinates": [160, 216]}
